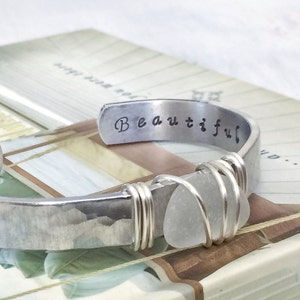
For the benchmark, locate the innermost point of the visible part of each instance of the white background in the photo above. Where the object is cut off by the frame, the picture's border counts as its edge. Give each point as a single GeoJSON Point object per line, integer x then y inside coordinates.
{"type": "Point", "coordinates": [257, 41]}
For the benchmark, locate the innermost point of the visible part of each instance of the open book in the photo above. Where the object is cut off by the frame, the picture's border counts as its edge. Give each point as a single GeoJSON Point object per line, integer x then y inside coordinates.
{"type": "Point", "coordinates": [63, 80]}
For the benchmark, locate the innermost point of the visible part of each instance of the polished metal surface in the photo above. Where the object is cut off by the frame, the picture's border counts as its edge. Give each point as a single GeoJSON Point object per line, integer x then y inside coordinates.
{"type": "Point", "coordinates": [107, 220]}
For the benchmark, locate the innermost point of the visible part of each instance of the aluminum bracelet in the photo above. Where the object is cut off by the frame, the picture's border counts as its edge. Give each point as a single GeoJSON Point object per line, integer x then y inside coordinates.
{"type": "Point", "coordinates": [204, 207]}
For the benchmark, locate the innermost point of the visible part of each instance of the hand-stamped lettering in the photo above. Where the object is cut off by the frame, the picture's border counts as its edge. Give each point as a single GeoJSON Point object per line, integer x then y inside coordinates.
{"type": "Point", "coordinates": [142, 122]}
{"type": "Point", "coordinates": [217, 125]}
{"type": "Point", "coordinates": [156, 121]}
{"type": "Point", "coordinates": [202, 125]}
{"type": "Point", "coordinates": [237, 139]}
{"type": "Point", "coordinates": [227, 133]}
{"type": "Point", "coordinates": [172, 121]}
{"type": "Point", "coordinates": [122, 124]}
{"type": "Point", "coordinates": [125, 123]}
{"type": "Point", "coordinates": [189, 122]}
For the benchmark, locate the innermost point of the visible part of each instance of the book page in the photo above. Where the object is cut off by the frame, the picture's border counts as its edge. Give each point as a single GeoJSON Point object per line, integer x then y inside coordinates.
{"type": "Point", "coordinates": [65, 79]}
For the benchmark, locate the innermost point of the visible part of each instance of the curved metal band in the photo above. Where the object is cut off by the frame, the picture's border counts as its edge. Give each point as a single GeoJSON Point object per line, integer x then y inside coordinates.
{"type": "Point", "coordinates": [105, 220]}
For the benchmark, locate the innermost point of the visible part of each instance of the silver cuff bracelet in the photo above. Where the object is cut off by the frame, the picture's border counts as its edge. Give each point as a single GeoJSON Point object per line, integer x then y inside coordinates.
{"type": "Point", "coordinates": [205, 207]}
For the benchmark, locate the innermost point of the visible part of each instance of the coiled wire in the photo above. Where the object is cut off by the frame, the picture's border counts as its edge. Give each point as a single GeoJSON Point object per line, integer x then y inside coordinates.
{"type": "Point", "coordinates": [231, 166]}
{"type": "Point", "coordinates": [142, 214]}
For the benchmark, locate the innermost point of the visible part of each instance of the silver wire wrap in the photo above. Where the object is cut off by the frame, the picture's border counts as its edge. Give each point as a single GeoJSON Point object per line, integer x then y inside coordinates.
{"type": "Point", "coordinates": [232, 166]}
{"type": "Point", "coordinates": [142, 215]}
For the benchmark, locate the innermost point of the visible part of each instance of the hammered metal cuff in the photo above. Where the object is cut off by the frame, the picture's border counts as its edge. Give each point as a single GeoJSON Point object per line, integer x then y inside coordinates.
{"type": "Point", "coordinates": [204, 207]}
